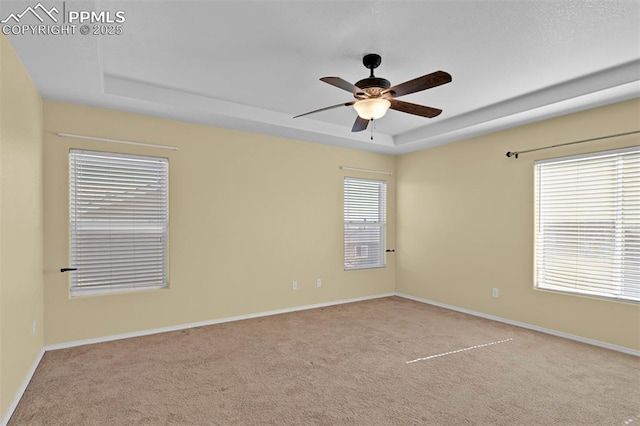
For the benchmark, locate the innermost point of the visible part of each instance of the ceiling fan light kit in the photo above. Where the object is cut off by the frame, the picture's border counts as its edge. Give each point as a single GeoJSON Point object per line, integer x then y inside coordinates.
{"type": "Point", "coordinates": [375, 95]}
{"type": "Point", "coordinates": [372, 109]}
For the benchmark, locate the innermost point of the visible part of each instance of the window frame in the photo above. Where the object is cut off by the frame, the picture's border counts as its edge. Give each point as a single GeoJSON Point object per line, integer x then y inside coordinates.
{"type": "Point", "coordinates": [620, 241]}
{"type": "Point", "coordinates": [380, 223]}
{"type": "Point", "coordinates": [154, 227]}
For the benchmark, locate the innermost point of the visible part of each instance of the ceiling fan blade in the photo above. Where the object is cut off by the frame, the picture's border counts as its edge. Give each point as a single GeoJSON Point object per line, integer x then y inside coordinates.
{"type": "Point", "coordinates": [418, 84]}
{"type": "Point", "coordinates": [423, 111]}
{"type": "Point", "coordinates": [326, 108]}
{"type": "Point", "coordinates": [342, 84]}
{"type": "Point", "coordinates": [360, 124]}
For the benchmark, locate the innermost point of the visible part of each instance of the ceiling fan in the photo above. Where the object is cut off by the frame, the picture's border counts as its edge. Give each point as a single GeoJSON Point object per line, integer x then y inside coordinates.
{"type": "Point", "coordinates": [375, 95]}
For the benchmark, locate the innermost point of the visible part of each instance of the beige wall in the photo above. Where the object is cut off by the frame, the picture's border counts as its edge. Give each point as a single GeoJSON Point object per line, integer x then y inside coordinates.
{"type": "Point", "coordinates": [249, 214]}
{"type": "Point", "coordinates": [465, 225]}
{"type": "Point", "coordinates": [21, 224]}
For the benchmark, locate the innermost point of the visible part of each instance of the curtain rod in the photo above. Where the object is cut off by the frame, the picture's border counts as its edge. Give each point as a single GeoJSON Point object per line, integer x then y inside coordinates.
{"type": "Point", "coordinates": [516, 153]}
{"type": "Point", "coordinates": [95, 138]}
{"type": "Point", "coordinates": [365, 170]}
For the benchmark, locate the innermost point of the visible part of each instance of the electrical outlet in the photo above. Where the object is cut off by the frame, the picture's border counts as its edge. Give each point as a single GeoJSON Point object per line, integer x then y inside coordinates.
{"type": "Point", "coordinates": [33, 327]}
{"type": "Point", "coordinates": [495, 292]}
{"type": "Point", "coordinates": [294, 285]}
{"type": "Point", "coordinates": [318, 283]}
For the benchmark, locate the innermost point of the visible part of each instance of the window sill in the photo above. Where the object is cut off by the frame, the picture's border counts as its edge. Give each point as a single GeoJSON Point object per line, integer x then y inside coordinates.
{"type": "Point", "coordinates": [80, 293]}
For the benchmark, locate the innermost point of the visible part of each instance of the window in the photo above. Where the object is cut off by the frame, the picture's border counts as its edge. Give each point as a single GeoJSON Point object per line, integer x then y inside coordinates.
{"type": "Point", "coordinates": [588, 224]}
{"type": "Point", "coordinates": [119, 221]}
{"type": "Point", "coordinates": [365, 205]}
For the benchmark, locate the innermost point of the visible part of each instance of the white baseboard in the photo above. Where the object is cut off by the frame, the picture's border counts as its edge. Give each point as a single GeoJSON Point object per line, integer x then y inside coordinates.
{"type": "Point", "coordinates": [525, 325]}
{"type": "Point", "coordinates": [22, 388]}
{"type": "Point", "coordinates": [209, 322]}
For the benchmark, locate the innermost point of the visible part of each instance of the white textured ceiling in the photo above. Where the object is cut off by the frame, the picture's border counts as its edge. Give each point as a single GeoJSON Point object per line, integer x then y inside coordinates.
{"type": "Point", "coordinates": [253, 65]}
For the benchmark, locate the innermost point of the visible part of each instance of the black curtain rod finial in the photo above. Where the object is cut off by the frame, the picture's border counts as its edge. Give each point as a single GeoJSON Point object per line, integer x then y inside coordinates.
{"type": "Point", "coordinates": [512, 154]}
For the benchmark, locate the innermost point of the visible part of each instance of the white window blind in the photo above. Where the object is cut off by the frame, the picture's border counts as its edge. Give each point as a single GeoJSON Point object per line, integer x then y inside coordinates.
{"type": "Point", "coordinates": [118, 220]}
{"type": "Point", "coordinates": [365, 205]}
{"type": "Point", "coordinates": [588, 224]}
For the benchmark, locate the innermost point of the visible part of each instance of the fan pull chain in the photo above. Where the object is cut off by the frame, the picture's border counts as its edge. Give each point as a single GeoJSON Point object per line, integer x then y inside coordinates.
{"type": "Point", "coordinates": [373, 125]}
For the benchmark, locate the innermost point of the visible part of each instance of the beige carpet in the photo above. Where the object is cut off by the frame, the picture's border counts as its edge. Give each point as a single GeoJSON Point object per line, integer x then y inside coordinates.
{"type": "Point", "coordinates": [339, 365]}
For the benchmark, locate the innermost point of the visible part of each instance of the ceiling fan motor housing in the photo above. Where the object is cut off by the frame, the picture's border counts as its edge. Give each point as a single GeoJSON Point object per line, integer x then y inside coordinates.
{"type": "Point", "coordinates": [370, 82]}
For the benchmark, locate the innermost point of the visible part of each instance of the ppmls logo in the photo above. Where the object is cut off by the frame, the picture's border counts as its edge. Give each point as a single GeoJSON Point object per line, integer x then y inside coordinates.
{"type": "Point", "coordinates": [33, 11]}
{"type": "Point", "coordinates": [42, 20]}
